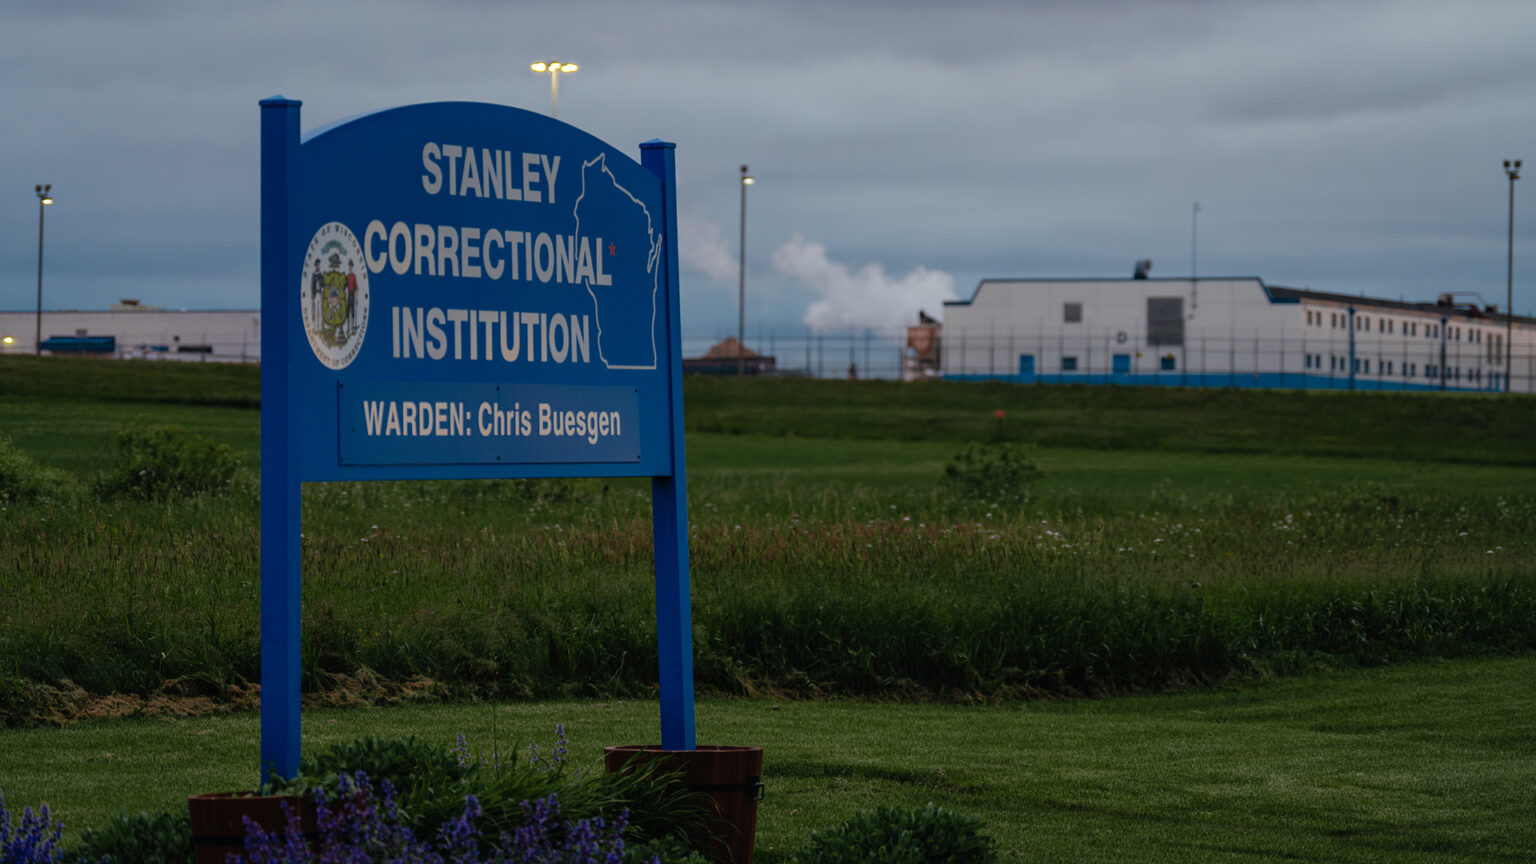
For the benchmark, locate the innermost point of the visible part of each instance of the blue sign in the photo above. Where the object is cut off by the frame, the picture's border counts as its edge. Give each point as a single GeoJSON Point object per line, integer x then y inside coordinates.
{"type": "Point", "coordinates": [463, 290]}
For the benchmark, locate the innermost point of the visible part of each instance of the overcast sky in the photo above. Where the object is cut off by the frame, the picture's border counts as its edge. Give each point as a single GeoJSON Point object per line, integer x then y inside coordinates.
{"type": "Point", "coordinates": [903, 150]}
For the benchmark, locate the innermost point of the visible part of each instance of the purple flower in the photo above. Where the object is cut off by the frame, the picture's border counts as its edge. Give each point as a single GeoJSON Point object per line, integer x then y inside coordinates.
{"type": "Point", "coordinates": [35, 840]}
{"type": "Point", "coordinates": [358, 827]}
{"type": "Point", "coordinates": [560, 751]}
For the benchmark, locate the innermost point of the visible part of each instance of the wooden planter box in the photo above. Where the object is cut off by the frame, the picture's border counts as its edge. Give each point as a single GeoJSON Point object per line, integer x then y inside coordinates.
{"type": "Point", "coordinates": [731, 777]}
{"type": "Point", "coordinates": [218, 821]}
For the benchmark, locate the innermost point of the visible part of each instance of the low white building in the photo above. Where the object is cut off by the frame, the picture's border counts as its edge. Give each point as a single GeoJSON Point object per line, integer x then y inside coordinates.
{"type": "Point", "coordinates": [129, 329]}
{"type": "Point", "coordinates": [1225, 332]}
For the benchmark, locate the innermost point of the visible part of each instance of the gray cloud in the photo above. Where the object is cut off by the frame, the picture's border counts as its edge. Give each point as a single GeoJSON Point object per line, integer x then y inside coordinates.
{"type": "Point", "coordinates": [1352, 147]}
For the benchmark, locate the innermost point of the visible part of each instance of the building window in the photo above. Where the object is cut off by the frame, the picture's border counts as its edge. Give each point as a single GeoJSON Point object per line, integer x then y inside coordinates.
{"type": "Point", "coordinates": [1069, 364]}
{"type": "Point", "coordinates": [1167, 363]}
{"type": "Point", "coordinates": [1072, 313]}
{"type": "Point", "coordinates": [1165, 320]}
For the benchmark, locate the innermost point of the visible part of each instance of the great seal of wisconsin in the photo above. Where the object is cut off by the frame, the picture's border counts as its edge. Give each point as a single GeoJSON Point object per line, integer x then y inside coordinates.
{"type": "Point", "coordinates": [333, 294]}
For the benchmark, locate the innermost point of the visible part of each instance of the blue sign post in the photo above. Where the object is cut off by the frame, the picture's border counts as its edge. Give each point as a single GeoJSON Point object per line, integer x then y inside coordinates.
{"type": "Point", "coordinates": [463, 290]}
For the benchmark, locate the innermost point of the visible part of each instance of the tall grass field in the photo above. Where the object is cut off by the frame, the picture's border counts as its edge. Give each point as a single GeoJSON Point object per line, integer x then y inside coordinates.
{"type": "Point", "coordinates": [923, 542]}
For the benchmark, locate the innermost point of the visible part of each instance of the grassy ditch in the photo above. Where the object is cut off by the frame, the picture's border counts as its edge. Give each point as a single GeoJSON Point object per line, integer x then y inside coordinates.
{"type": "Point", "coordinates": [540, 589]}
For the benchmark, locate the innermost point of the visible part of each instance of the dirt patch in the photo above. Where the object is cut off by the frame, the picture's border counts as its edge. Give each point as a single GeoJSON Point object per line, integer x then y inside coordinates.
{"type": "Point", "coordinates": [34, 704]}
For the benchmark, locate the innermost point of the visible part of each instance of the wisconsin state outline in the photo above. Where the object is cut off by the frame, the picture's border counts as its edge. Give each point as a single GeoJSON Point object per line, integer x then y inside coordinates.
{"type": "Point", "coordinates": [630, 251]}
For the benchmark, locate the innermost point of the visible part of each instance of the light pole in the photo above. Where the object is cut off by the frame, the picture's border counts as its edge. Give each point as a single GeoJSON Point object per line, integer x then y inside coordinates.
{"type": "Point", "coordinates": [43, 200]}
{"type": "Point", "coordinates": [1513, 170]}
{"type": "Point", "coordinates": [554, 68]}
{"type": "Point", "coordinates": [741, 288]}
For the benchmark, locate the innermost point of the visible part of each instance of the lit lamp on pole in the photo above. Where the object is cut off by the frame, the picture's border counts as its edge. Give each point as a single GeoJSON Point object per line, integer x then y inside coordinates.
{"type": "Point", "coordinates": [1512, 169]}
{"type": "Point", "coordinates": [741, 290]}
{"type": "Point", "coordinates": [43, 200]}
{"type": "Point", "coordinates": [554, 68]}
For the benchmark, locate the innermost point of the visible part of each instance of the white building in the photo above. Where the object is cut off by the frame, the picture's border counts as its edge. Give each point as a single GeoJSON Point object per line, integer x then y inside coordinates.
{"type": "Point", "coordinates": [129, 329]}
{"type": "Point", "coordinates": [1226, 332]}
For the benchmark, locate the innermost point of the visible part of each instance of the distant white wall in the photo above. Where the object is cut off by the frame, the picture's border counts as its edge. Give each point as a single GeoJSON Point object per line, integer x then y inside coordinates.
{"type": "Point", "coordinates": [210, 336]}
{"type": "Point", "coordinates": [1234, 332]}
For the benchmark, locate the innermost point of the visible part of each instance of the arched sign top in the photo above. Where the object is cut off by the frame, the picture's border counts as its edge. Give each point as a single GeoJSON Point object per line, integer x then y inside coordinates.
{"type": "Point", "coordinates": [461, 290]}
{"type": "Point", "coordinates": [454, 111]}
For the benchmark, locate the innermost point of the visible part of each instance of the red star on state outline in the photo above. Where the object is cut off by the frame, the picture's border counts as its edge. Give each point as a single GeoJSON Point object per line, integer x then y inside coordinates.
{"type": "Point", "coordinates": [612, 249]}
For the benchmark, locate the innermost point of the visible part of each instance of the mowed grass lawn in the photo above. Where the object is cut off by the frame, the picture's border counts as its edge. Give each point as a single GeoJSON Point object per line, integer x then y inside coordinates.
{"type": "Point", "coordinates": [1426, 762]}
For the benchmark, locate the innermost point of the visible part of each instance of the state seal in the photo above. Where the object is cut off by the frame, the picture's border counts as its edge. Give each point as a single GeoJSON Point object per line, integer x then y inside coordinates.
{"type": "Point", "coordinates": [333, 293]}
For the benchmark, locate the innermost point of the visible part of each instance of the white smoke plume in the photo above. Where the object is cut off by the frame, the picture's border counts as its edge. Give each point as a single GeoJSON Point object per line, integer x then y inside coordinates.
{"type": "Point", "coordinates": [868, 297]}
{"type": "Point", "coordinates": [704, 251]}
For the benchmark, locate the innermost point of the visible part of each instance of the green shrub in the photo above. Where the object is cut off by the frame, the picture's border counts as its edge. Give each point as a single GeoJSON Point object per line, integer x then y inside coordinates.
{"type": "Point", "coordinates": [930, 835]}
{"type": "Point", "coordinates": [991, 474]}
{"type": "Point", "coordinates": [163, 462]}
{"type": "Point", "coordinates": [136, 838]}
{"type": "Point", "coordinates": [23, 481]}
{"type": "Point", "coordinates": [431, 783]}
{"type": "Point", "coordinates": [423, 775]}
